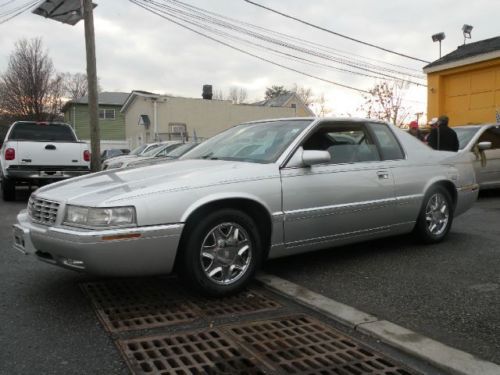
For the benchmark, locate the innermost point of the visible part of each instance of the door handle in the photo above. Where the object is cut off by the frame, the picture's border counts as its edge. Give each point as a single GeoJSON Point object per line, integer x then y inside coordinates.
{"type": "Point", "coordinates": [383, 175]}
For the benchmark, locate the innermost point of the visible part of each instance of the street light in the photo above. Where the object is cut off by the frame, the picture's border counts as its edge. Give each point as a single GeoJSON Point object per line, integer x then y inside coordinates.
{"type": "Point", "coordinates": [438, 38]}
{"type": "Point", "coordinates": [71, 12]}
{"type": "Point", "coordinates": [466, 29]}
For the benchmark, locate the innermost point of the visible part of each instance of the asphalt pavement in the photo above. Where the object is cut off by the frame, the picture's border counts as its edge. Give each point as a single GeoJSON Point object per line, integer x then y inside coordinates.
{"type": "Point", "coordinates": [449, 292]}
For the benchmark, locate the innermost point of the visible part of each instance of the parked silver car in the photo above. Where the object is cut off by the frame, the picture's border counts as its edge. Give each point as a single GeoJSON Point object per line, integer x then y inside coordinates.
{"type": "Point", "coordinates": [484, 142]}
{"type": "Point", "coordinates": [157, 152]}
{"type": "Point", "coordinates": [256, 191]}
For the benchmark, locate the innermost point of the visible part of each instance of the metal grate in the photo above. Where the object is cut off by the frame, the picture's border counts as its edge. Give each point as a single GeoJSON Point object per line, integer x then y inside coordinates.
{"type": "Point", "coordinates": [202, 352]}
{"type": "Point", "coordinates": [245, 302]}
{"type": "Point", "coordinates": [147, 303]}
{"type": "Point", "coordinates": [302, 345]}
{"type": "Point", "coordinates": [139, 304]}
{"type": "Point", "coordinates": [42, 211]}
{"type": "Point", "coordinates": [286, 345]}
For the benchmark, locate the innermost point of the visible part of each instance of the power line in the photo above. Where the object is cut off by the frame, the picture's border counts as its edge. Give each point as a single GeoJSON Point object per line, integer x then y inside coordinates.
{"type": "Point", "coordinates": [138, 3]}
{"type": "Point", "coordinates": [10, 14]}
{"type": "Point", "coordinates": [336, 33]}
{"type": "Point", "coordinates": [201, 16]}
{"type": "Point", "coordinates": [337, 51]}
{"type": "Point", "coordinates": [204, 27]}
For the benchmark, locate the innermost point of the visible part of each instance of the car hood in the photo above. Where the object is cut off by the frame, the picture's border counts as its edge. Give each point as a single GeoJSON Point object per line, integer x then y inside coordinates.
{"type": "Point", "coordinates": [116, 186]}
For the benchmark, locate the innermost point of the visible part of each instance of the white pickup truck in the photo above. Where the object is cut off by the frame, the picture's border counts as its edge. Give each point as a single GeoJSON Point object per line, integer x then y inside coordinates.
{"type": "Point", "coordinates": [37, 153]}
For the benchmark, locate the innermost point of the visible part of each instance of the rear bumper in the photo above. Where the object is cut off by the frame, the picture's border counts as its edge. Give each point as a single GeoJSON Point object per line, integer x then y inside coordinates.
{"type": "Point", "coordinates": [27, 174]}
{"type": "Point", "coordinates": [116, 252]}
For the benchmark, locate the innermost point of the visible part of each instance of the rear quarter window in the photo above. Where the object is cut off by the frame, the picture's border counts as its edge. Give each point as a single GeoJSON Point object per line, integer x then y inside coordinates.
{"type": "Point", "coordinates": [41, 132]}
{"type": "Point", "coordinates": [389, 145]}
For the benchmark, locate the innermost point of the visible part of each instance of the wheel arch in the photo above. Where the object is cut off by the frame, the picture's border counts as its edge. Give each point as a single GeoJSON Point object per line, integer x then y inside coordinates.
{"type": "Point", "coordinates": [448, 185]}
{"type": "Point", "coordinates": [248, 204]}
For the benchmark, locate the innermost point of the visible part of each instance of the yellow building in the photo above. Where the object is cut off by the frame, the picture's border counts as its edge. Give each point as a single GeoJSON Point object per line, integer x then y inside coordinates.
{"type": "Point", "coordinates": [465, 84]}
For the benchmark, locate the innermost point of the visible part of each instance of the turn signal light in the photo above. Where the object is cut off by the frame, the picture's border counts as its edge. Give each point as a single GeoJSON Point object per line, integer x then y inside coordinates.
{"type": "Point", "coordinates": [10, 154]}
{"type": "Point", "coordinates": [86, 155]}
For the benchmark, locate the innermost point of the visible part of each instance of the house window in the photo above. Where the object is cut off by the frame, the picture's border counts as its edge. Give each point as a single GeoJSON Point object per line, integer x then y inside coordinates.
{"type": "Point", "coordinates": [144, 121]}
{"type": "Point", "coordinates": [177, 131]}
{"type": "Point", "coordinates": [106, 114]}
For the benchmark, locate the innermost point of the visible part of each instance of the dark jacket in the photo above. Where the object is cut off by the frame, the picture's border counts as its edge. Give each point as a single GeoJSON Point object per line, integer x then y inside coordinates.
{"type": "Point", "coordinates": [443, 138]}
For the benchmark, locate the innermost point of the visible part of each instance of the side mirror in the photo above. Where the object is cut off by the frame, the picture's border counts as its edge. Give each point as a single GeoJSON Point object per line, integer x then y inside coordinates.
{"type": "Point", "coordinates": [312, 157]}
{"type": "Point", "coordinates": [484, 146]}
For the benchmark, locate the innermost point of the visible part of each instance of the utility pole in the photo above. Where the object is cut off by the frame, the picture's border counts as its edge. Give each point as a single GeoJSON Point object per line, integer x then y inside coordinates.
{"type": "Point", "coordinates": [95, 136]}
{"type": "Point", "coordinates": [71, 12]}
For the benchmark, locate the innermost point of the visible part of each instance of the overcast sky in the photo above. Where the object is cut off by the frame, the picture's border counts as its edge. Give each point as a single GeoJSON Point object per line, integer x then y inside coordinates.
{"type": "Point", "coordinates": [137, 50]}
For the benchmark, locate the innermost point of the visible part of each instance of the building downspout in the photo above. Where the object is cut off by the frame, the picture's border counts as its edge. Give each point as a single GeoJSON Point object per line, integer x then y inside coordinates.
{"type": "Point", "coordinates": [74, 117]}
{"type": "Point", "coordinates": [155, 119]}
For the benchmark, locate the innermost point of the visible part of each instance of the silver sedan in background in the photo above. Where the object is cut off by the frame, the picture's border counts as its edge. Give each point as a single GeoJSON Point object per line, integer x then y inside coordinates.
{"type": "Point", "coordinates": [484, 142]}
{"type": "Point", "coordinates": [255, 191]}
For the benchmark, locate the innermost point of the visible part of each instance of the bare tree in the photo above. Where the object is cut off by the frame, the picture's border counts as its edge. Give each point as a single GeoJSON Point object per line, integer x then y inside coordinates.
{"type": "Point", "coordinates": [320, 108]}
{"type": "Point", "coordinates": [304, 93]}
{"type": "Point", "coordinates": [75, 85]}
{"type": "Point", "coordinates": [385, 102]}
{"type": "Point", "coordinates": [218, 95]}
{"type": "Point", "coordinates": [275, 91]}
{"type": "Point", "coordinates": [238, 95]}
{"type": "Point", "coordinates": [30, 89]}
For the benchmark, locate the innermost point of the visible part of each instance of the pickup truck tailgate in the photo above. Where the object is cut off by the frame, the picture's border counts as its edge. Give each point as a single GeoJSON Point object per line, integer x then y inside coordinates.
{"type": "Point", "coordinates": [50, 153]}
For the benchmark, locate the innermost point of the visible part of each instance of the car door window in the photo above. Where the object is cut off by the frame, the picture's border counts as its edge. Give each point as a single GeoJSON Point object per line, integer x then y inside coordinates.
{"type": "Point", "coordinates": [346, 143]}
{"type": "Point", "coordinates": [491, 135]}
{"type": "Point", "coordinates": [389, 146]}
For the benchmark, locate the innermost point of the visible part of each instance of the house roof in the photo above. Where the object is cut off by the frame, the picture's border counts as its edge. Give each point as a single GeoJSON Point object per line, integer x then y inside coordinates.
{"type": "Point", "coordinates": [487, 48]}
{"type": "Point", "coordinates": [278, 101]}
{"type": "Point", "coordinates": [135, 93]}
{"type": "Point", "coordinates": [103, 98]}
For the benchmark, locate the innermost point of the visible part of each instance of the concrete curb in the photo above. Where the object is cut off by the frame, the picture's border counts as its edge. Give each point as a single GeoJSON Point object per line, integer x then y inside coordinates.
{"type": "Point", "coordinates": [442, 356]}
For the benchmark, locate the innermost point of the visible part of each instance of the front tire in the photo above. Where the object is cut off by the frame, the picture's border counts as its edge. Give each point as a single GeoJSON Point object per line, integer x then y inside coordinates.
{"type": "Point", "coordinates": [436, 216]}
{"type": "Point", "coordinates": [221, 252]}
{"type": "Point", "coordinates": [8, 189]}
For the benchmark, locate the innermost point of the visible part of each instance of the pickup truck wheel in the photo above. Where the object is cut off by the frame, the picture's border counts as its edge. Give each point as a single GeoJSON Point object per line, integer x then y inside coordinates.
{"type": "Point", "coordinates": [8, 189]}
{"type": "Point", "coordinates": [221, 253]}
{"type": "Point", "coordinates": [436, 216]}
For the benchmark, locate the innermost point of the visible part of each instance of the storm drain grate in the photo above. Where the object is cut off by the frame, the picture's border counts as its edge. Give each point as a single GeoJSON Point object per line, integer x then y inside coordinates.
{"type": "Point", "coordinates": [149, 303]}
{"type": "Point", "coordinates": [285, 345]}
{"type": "Point", "coordinates": [243, 303]}
{"type": "Point", "coordinates": [302, 345]}
{"type": "Point", "coordinates": [139, 304]}
{"type": "Point", "coordinates": [204, 352]}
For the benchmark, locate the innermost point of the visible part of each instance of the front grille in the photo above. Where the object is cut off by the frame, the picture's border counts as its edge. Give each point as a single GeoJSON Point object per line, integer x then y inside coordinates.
{"type": "Point", "coordinates": [43, 211]}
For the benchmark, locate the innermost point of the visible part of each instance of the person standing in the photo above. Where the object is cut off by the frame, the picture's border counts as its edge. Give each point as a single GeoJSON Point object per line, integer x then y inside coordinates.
{"type": "Point", "coordinates": [415, 131]}
{"type": "Point", "coordinates": [442, 137]}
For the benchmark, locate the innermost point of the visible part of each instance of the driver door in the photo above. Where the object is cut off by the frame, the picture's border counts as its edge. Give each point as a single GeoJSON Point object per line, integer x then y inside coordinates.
{"type": "Point", "coordinates": [351, 196]}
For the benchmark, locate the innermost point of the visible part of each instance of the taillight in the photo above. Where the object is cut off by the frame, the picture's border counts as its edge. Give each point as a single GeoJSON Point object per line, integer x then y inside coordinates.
{"type": "Point", "coordinates": [10, 154]}
{"type": "Point", "coordinates": [86, 155]}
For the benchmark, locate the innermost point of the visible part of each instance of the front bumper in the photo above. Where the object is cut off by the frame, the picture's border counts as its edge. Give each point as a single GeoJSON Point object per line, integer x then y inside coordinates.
{"type": "Point", "coordinates": [113, 252]}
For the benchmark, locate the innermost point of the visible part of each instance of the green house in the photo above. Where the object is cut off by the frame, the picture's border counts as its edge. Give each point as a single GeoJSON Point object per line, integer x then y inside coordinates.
{"type": "Point", "coordinates": [111, 120]}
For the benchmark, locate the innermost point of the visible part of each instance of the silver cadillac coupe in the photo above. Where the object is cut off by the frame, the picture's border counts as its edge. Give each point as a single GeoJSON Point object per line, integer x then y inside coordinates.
{"type": "Point", "coordinates": [258, 190]}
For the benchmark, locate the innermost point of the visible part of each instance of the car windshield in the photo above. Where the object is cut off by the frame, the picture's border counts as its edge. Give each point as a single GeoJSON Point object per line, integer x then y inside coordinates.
{"type": "Point", "coordinates": [261, 142]}
{"type": "Point", "coordinates": [137, 150]}
{"type": "Point", "coordinates": [465, 135]}
{"type": "Point", "coordinates": [181, 150]}
{"type": "Point", "coordinates": [32, 131]}
{"type": "Point", "coordinates": [148, 149]}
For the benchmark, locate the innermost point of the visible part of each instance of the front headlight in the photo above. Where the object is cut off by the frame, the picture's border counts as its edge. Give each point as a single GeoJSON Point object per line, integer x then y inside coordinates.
{"type": "Point", "coordinates": [100, 217]}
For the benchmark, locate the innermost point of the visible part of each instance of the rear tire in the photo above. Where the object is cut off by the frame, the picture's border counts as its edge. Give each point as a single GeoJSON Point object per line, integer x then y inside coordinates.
{"type": "Point", "coordinates": [8, 189]}
{"type": "Point", "coordinates": [436, 216]}
{"type": "Point", "coordinates": [221, 252]}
